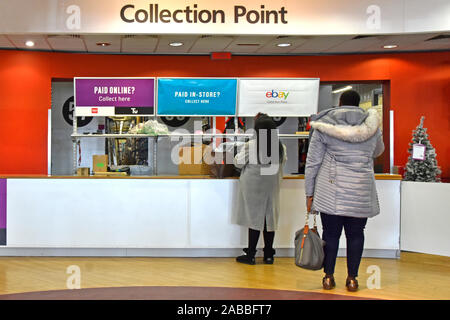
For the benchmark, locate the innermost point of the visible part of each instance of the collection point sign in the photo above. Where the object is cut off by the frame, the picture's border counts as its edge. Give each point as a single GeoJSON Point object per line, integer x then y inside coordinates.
{"type": "Point", "coordinates": [219, 17]}
{"type": "Point", "coordinates": [155, 14]}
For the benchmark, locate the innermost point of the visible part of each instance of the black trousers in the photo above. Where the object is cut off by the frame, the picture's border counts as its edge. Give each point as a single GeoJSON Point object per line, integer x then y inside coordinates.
{"type": "Point", "coordinates": [354, 232]}
{"type": "Point", "coordinates": [253, 236]}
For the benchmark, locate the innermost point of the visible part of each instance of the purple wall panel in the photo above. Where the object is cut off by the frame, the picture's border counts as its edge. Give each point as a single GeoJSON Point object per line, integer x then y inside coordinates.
{"type": "Point", "coordinates": [2, 203]}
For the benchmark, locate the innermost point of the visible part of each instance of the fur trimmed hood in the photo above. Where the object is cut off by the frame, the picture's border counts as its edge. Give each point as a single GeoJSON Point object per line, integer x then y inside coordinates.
{"type": "Point", "coordinates": [347, 123]}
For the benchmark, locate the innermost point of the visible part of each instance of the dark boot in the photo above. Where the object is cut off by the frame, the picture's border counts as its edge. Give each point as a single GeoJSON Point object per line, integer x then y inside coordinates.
{"type": "Point", "coordinates": [268, 255]}
{"type": "Point", "coordinates": [248, 257]}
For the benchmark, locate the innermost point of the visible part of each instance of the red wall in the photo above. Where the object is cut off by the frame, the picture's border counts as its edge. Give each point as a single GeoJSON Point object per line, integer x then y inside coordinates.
{"type": "Point", "coordinates": [420, 85]}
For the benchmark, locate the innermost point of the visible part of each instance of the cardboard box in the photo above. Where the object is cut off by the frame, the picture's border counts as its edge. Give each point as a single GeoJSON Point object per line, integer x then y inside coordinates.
{"type": "Point", "coordinates": [83, 172]}
{"type": "Point", "coordinates": [100, 163]}
{"type": "Point", "coordinates": [191, 161]}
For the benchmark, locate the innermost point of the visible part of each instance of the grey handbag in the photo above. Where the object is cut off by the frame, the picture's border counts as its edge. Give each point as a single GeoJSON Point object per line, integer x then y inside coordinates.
{"type": "Point", "coordinates": [309, 252]}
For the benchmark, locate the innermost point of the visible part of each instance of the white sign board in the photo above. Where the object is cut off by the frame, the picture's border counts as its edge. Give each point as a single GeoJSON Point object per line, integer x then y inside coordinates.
{"type": "Point", "coordinates": [418, 152]}
{"type": "Point", "coordinates": [278, 97]}
{"type": "Point", "coordinates": [250, 17]}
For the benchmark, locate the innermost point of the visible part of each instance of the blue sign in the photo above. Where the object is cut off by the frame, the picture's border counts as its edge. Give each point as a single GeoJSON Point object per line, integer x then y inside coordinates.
{"type": "Point", "coordinates": [196, 97]}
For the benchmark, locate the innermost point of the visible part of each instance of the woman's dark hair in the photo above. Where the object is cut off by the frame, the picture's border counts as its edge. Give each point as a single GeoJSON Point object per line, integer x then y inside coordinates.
{"type": "Point", "coordinates": [264, 122]}
{"type": "Point", "coordinates": [349, 98]}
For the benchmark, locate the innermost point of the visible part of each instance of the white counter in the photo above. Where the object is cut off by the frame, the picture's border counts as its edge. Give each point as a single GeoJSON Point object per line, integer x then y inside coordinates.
{"type": "Point", "coordinates": [161, 217]}
{"type": "Point", "coordinates": [425, 217]}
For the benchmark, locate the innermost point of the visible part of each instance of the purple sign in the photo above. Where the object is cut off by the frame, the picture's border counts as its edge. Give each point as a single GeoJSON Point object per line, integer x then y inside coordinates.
{"type": "Point", "coordinates": [2, 204]}
{"type": "Point", "coordinates": [116, 95]}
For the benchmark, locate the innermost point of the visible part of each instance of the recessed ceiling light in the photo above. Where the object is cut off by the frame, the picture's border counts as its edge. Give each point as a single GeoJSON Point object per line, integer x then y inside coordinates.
{"type": "Point", "coordinates": [283, 45]}
{"type": "Point", "coordinates": [390, 46]}
{"type": "Point", "coordinates": [29, 43]}
{"type": "Point", "coordinates": [176, 44]}
{"type": "Point", "coordinates": [103, 44]}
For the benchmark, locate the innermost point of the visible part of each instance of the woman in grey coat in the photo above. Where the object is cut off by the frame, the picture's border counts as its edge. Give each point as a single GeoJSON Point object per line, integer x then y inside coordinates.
{"type": "Point", "coordinates": [339, 179]}
{"type": "Point", "coordinates": [261, 161]}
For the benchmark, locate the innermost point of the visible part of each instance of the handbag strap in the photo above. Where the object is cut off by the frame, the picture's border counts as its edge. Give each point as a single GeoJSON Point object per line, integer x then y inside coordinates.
{"type": "Point", "coordinates": [307, 220]}
{"type": "Point", "coordinates": [306, 227]}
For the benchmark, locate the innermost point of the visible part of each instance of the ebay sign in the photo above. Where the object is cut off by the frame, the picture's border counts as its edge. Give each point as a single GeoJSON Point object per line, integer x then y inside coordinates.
{"type": "Point", "coordinates": [278, 97]}
{"type": "Point", "coordinates": [277, 94]}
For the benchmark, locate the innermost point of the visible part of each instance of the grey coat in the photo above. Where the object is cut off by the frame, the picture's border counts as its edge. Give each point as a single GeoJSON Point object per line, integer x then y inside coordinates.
{"type": "Point", "coordinates": [259, 194]}
{"type": "Point", "coordinates": [339, 166]}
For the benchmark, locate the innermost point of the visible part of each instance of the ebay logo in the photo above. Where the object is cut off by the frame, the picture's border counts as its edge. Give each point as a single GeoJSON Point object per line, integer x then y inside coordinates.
{"type": "Point", "coordinates": [277, 94]}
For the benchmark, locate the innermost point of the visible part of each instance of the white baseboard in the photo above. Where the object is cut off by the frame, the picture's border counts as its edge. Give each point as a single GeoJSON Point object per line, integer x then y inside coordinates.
{"type": "Point", "coordinates": [155, 252]}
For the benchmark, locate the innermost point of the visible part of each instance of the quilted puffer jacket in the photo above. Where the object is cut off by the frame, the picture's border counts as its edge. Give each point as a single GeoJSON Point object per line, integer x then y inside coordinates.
{"type": "Point", "coordinates": [339, 166]}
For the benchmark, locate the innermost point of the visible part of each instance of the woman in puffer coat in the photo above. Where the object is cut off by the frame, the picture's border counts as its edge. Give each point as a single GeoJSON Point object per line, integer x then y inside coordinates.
{"type": "Point", "coordinates": [340, 182]}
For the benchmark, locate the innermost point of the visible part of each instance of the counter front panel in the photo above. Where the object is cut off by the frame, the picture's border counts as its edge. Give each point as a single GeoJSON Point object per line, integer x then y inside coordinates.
{"type": "Point", "coordinates": [161, 214]}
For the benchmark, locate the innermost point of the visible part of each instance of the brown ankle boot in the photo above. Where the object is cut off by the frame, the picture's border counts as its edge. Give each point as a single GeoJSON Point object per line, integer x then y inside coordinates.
{"type": "Point", "coordinates": [328, 282]}
{"type": "Point", "coordinates": [352, 284]}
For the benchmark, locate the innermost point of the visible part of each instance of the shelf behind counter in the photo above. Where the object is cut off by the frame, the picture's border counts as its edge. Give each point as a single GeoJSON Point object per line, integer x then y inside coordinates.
{"type": "Point", "coordinates": [297, 135]}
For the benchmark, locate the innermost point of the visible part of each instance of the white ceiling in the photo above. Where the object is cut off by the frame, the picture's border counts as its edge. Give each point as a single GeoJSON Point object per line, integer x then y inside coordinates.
{"type": "Point", "coordinates": [201, 44]}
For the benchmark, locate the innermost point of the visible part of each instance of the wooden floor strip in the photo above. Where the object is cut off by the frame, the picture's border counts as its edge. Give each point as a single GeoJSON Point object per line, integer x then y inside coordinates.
{"type": "Point", "coordinates": [413, 276]}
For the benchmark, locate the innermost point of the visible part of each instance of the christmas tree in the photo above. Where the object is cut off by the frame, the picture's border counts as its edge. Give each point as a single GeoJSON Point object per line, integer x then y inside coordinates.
{"type": "Point", "coordinates": [422, 163]}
